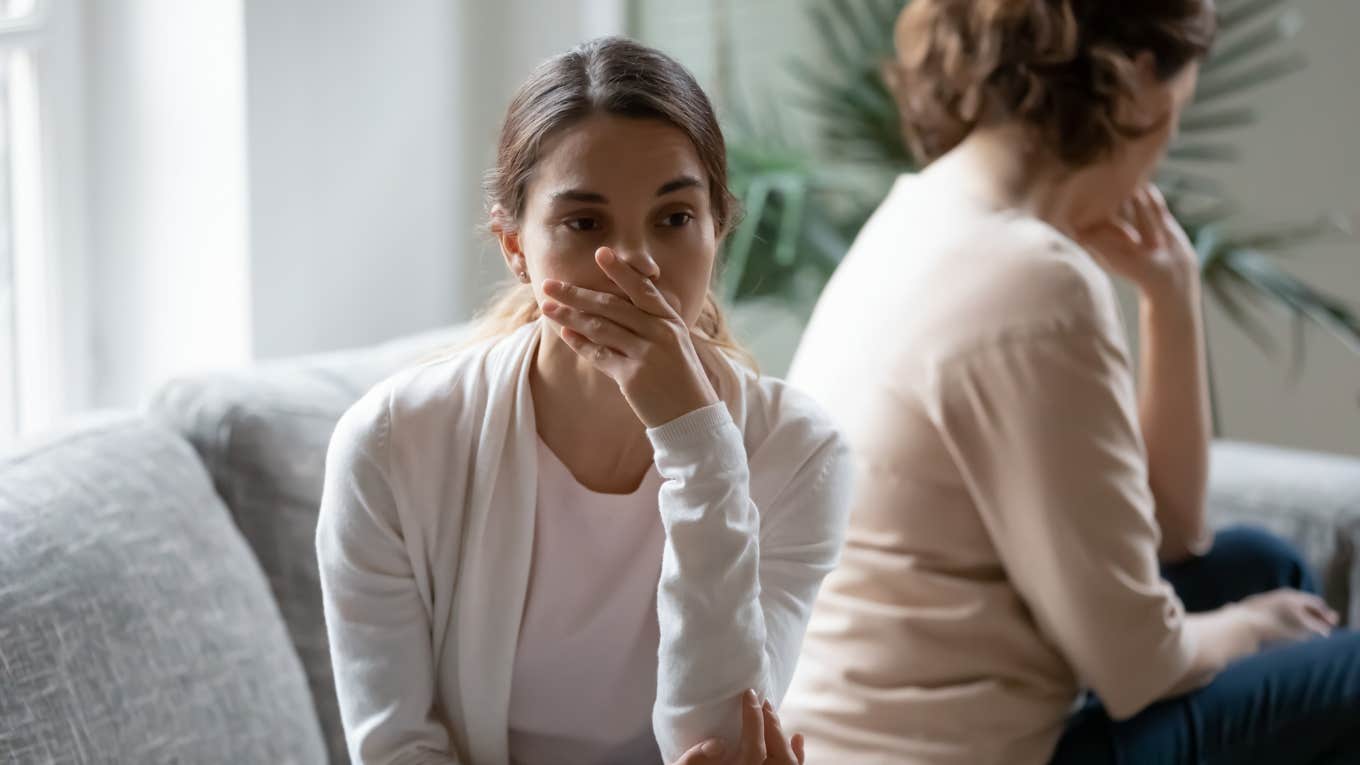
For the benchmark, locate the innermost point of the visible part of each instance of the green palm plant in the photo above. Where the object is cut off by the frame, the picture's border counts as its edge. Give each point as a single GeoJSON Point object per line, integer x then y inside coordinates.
{"type": "Point", "coordinates": [804, 204]}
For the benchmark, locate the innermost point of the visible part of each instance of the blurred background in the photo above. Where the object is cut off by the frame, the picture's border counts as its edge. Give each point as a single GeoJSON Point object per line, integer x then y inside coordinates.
{"type": "Point", "coordinates": [188, 186]}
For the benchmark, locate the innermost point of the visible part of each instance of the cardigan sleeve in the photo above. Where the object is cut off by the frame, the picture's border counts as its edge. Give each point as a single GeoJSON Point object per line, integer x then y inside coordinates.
{"type": "Point", "coordinates": [737, 582]}
{"type": "Point", "coordinates": [377, 624]}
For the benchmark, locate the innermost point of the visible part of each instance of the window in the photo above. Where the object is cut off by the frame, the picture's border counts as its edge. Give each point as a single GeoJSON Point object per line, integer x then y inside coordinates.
{"type": "Point", "coordinates": [26, 355]}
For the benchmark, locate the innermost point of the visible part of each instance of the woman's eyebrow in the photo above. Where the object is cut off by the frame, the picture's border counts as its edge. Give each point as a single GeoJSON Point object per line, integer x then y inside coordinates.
{"type": "Point", "coordinates": [669, 187]}
{"type": "Point", "coordinates": [683, 182]}
{"type": "Point", "coordinates": [579, 195]}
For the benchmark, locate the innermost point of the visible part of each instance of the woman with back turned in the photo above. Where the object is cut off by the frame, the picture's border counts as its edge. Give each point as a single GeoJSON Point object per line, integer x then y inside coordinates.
{"type": "Point", "coordinates": [1028, 575]}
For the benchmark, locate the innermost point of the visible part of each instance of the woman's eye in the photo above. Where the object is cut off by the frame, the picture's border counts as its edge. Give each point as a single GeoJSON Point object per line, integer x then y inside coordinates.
{"type": "Point", "coordinates": [583, 224]}
{"type": "Point", "coordinates": [677, 220]}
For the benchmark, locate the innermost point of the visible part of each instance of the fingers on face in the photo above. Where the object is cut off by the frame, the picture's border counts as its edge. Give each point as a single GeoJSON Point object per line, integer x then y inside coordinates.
{"type": "Point", "coordinates": [601, 357]}
{"type": "Point", "coordinates": [1158, 200]}
{"type": "Point", "coordinates": [587, 301]}
{"type": "Point", "coordinates": [1149, 221]}
{"type": "Point", "coordinates": [1115, 240]}
{"type": "Point", "coordinates": [1129, 235]}
{"type": "Point", "coordinates": [638, 287]}
{"type": "Point", "coordinates": [594, 330]}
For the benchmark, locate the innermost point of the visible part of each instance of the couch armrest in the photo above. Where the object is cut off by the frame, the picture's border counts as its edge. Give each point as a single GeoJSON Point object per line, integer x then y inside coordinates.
{"type": "Point", "coordinates": [1309, 498]}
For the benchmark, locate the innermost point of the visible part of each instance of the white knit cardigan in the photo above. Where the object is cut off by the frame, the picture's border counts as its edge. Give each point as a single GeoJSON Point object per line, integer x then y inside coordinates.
{"type": "Point", "coordinates": [426, 532]}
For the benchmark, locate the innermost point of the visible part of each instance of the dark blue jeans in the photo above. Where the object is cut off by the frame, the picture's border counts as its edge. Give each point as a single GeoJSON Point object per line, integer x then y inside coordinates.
{"type": "Point", "coordinates": [1290, 705]}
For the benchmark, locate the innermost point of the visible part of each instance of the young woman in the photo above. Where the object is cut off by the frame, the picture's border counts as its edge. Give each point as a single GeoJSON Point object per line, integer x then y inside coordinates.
{"type": "Point", "coordinates": [1024, 524]}
{"type": "Point", "coordinates": [592, 537]}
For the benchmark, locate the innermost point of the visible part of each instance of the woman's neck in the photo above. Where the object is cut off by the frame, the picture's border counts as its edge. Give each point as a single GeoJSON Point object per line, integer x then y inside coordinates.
{"type": "Point", "coordinates": [1000, 166]}
{"type": "Point", "coordinates": [584, 418]}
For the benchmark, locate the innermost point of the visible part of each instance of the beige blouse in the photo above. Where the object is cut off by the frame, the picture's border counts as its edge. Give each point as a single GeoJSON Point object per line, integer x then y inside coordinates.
{"type": "Point", "coordinates": [1002, 552]}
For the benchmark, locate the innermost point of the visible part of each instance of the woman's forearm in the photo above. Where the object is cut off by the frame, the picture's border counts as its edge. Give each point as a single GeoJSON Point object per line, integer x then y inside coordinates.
{"type": "Point", "coordinates": [737, 582]}
{"type": "Point", "coordinates": [1220, 637]}
{"type": "Point", "coordinates": [1175, 418]}
{"type": "Point", "coordinates": [712, 629]}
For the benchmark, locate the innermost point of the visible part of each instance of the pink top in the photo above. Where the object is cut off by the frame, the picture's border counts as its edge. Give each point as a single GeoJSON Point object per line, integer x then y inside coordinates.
{"type": "Point", "coordinates": [1002, 551]}
{"type": "Point", "coordinates": [585, 667]}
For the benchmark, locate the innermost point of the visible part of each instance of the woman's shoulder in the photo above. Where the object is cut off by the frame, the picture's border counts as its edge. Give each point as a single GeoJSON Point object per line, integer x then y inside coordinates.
{"type": "Point", "coordinates": [1038, 270]}
{"type": "Point", "coordinates": [1009, 278]}
{"type": "Point", "coordinates": [800, 465]}
{"type": "Point", "coordinates": [949, 271]}
{"type": "Point", "coordinates": [781, 416]}
{"type": "Point", "coordinates": [436, 395]}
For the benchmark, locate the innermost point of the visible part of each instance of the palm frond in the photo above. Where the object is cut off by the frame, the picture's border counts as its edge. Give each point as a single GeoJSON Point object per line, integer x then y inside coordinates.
{"type": "Point", "coordinates": [1204, 152]}
{"type": "Point", "coordinates": [1212, 89]}
{"type": "Point", "coordinates": [1242, 316]}
{"type": "Point", "coordinates": [1290, 235]}
{"type": "Point", "coordinates": [1255, 42]}
{"type": "Point", "coordinates": [1216, 121]}
{"type": "Point", "coordinates": [1233, 15]}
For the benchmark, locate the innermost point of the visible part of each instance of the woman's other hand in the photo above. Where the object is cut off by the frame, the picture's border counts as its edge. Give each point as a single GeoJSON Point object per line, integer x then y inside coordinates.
{"type": "Point", "coordinates": [1287, 616]}
{"type": "Point", "coordinates": [762, 741]}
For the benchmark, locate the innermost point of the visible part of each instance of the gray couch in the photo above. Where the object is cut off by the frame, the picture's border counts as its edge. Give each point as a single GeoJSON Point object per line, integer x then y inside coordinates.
{"type": "Point", "coordinates": [158, 588]}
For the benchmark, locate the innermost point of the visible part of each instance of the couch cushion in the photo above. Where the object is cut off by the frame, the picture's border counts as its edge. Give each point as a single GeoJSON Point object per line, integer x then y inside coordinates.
{"type": "Point", "coordinates": [1308, 498]}
{"type": "Point", "coordinates": [263, 433]}
{"type": "Point", "coordinates": [135, 625]}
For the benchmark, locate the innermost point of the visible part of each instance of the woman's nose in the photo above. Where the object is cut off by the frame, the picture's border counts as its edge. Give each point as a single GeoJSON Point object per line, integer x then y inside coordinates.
{"type": "Point", "coordinates": [638, 258]}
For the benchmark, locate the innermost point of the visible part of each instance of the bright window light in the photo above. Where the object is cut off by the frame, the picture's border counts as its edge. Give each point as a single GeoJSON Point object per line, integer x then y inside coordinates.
{"type": "Point", "coordinates": [17, 9]}
{"type": "Point", "coordinates": [28, 228]}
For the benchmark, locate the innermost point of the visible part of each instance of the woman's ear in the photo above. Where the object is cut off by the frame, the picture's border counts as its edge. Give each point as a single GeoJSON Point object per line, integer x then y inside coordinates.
{"type": "Point", "coordinates": [507, 234]}
{"type": "Point", "coordinates": [1151, 104]}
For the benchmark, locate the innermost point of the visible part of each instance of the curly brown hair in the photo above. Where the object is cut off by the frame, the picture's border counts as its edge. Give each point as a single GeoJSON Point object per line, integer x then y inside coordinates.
{"type": "Point", "coordinates": [1061, 66]}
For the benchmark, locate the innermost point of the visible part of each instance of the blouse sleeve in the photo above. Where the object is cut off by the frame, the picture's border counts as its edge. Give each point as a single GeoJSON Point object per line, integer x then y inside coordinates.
{"type": "Point", "coordinates": [737, 582]}
{"type": "Point", "coordinates": [377, 623]}
{"type": "Point", "coordinates": [1044, 430]}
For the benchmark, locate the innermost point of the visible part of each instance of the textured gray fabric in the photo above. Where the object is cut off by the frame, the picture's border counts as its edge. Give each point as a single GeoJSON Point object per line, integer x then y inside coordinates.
{"type": "Point", "coordinates": [1311, 499]}
{"type": "Point", "coordinates": [263, 432]}
{"type": "Point", "coordinates": [135, 625]}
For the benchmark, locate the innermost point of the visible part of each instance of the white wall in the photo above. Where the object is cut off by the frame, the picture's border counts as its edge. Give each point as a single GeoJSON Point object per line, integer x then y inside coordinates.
{"type": "Point", "coordinates": [166, 205]}
{"type": "Point", "coordinates": [351, 140]}
{"type": "Point", "coordinates": [370, 125]}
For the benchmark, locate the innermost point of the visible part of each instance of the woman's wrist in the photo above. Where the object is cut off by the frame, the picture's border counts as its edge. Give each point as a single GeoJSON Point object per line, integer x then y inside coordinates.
{"type": "Point", "coordinates": [1225, 635]}
{"type": "Point", "coordinates": [665, 406]}
{"type": "Point", "coordinates": [1175, 301]}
